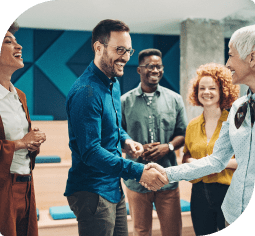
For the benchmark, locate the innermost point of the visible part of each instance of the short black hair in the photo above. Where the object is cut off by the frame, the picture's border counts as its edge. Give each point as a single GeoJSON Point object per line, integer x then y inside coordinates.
{"type": "Point", "coordinates": [14, 28]}
{"type": "Point", "coordinates": [148, 52]}
{"type": "Point", "coordinates": [102, 31]}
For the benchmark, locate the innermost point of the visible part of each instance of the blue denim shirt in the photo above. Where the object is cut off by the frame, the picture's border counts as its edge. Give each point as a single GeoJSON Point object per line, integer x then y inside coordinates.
{"type": "Point", "coordinates": [240, 142]}
{"type": "Point", "coordinates": [95, 137]}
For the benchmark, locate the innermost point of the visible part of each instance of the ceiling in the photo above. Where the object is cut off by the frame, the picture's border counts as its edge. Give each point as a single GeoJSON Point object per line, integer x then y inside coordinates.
{"type": "Point", "coordinates": [142, 16]}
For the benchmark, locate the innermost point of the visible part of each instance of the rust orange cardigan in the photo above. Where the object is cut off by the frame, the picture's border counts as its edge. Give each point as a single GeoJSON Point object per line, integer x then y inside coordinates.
{"type": "Point", "coordinates": [7, 148]}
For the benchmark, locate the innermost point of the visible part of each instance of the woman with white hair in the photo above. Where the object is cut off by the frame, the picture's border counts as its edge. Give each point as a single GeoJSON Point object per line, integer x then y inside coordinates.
{"type": "Point", "coordinates": [236, 133]}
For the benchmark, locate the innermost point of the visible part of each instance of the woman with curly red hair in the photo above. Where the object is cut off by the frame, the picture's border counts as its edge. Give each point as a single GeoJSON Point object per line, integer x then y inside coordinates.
{"type": "Point", "coordinates": [212, 89]}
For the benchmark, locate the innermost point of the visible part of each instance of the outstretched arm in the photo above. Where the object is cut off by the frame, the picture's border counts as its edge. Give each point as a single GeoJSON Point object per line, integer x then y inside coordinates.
{"type": "Point", "coordinates": [214, 163]}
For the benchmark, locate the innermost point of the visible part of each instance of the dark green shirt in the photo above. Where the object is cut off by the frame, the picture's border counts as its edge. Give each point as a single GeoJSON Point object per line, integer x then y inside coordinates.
{"type": "Point", "coordinates": [157, 120]}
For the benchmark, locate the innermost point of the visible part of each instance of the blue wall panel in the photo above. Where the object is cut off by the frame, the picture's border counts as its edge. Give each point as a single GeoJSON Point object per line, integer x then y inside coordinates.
{"type": "Point", "coordinates": [54, 59]}
{"type": "Point", "coordinates": [48, 99]}
{"type": "Point", "coordinates": [25, 38]}
{"type": "Point", "coordinates": [26, 84]}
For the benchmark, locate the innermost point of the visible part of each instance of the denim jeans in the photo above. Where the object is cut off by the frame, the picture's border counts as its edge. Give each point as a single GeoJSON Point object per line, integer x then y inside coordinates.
{"type": "Point", "coordinates": [97, 216]}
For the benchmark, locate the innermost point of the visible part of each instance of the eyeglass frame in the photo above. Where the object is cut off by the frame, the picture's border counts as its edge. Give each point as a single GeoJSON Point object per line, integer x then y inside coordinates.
{"type": "Point", "coordinates": [131, 50]}
{"type": "Point", "coordinates": [154, 66]}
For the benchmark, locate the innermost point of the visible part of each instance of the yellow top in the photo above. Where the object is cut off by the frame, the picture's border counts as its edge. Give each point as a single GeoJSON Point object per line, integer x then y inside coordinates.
{"type": "Point", "coordinates": [196, 145]}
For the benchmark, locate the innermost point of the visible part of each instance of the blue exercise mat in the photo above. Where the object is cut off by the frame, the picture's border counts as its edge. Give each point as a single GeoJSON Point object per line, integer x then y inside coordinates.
{"type": "Point", "coordinates": [47, 159]}
{"type": "Point", "coordinates": [61, 212]}
{"type": "Point", "coordinates": [41, 117]}
{"type": "Point", "coordinates": [37, 213]}
{"type": "Point", "coordinates": [64, 212]}
{"type": "Point", "coordinates": [185, 205]}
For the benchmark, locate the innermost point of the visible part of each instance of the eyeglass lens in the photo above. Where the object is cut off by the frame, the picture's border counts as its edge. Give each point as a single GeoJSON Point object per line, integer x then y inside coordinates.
{"type": "Point", "coordinates": [151, 67]}
{"type": "Point", "coordinates": [122, 51]}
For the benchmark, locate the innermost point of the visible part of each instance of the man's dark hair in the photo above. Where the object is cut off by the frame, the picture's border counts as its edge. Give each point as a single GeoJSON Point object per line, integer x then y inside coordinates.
{"type": "Point", "coordinates": [148, 52]}
{"type": "Point", "coordinates": [14, 27]}
{"type": "Point", "coordinates": [102, 31]}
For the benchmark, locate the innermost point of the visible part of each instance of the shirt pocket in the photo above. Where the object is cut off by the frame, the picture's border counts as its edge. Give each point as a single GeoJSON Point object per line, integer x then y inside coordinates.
{"type": "Point", "coordinates": [168, 120]}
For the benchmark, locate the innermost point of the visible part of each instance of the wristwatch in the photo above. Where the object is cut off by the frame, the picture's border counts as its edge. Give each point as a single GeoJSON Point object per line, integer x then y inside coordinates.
{"type": "Point", "coordinates": [171, 147]}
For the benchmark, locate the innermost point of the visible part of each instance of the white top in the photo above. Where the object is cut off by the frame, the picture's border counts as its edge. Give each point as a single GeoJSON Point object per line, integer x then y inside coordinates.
{"type": "Point", "coordinates": [15, 127]}
{"type": "Point", "coordinates": [150, 95]}
{"type": "Point", "coordinates": [240, 142]}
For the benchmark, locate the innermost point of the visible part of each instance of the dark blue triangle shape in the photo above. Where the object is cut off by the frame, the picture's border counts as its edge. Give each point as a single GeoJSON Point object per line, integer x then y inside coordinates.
{"type": "Point", "coordinates": [18, 73]}
{"type": "Point", "coordinates": [48, 100]}
{"type": "Point", "coordinates": [163, 82]}
{"type": "Point", "coordinates": [78, 69]}
{"type": "Point", "coordinates": [165, 42]}
{"type": "Point", "coordinates": [43, 39]}
{"type": "Point", "coordinates": [84, 55]}
{"type": "Point", "coordinates": [130, 79]}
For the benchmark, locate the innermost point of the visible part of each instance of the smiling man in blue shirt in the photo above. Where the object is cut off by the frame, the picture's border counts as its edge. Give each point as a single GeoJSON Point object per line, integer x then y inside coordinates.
{"type": "Point", "coordinates": [235, 135]}
{"type": "Point", "coordinates": [93, 107]}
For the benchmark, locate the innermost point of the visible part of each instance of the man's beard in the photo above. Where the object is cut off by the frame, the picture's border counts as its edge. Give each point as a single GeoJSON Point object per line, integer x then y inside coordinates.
{"type": "Point", "coordinates": [107, 66]}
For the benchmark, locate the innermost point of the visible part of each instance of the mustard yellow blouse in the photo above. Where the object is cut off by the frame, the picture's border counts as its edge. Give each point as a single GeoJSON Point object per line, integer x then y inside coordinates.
{"type": "Point", "coordinates": [196, 145]}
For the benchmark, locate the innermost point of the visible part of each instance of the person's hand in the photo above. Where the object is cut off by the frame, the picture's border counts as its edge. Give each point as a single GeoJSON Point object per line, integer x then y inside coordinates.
{"type": "Point", "coordinates": [33, 139]}
{"type": "Point", "coordinates": [34, 146]}
{"type": "Point", "coordinates": [156, 152]}
{"type": "Point", "coordinates": [133, 148]}
{"type": "Point", "coordinates": [157, 167]}
{"type": "Point", "coordinates": [149, 146]}
{"type": "Point", "coordinates": [153, 179]}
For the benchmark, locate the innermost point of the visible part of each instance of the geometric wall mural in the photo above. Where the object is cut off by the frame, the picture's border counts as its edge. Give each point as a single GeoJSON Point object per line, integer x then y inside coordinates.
{"type": "Point", "coordinates": [54, 59]}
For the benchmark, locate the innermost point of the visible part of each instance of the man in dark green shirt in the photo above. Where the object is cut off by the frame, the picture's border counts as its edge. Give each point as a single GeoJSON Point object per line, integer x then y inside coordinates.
{"type": "Point", "coordinates": [155, 117]}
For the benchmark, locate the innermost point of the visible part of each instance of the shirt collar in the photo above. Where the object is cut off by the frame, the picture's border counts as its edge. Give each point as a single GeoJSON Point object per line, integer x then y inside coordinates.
{"type": "Point", "coordinates": [250, 94]}
{"type": "Point", "coordinates": [4, 91]}
{"type": "Point", "coordinates": [223, 117]}
{"type": "Point", "coordinates": [100, 74]}
{"type": "Point", "coordinates": [139, 91]}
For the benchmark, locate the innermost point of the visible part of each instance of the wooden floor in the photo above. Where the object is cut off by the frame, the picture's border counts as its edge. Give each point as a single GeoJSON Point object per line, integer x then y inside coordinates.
{"type": "Point", "coordinates": [50, 182]}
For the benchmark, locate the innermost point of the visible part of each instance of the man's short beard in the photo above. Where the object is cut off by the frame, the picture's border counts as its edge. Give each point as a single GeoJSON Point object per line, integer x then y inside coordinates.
{"type": "Point", "coordinates": [107, 69]}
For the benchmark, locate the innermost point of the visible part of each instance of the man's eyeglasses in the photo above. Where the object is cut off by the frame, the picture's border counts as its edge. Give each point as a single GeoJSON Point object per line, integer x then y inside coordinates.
{"type": "Point", "coordinates": [122, 50]}
{"type": "Point", "coordinates": [151, 67]}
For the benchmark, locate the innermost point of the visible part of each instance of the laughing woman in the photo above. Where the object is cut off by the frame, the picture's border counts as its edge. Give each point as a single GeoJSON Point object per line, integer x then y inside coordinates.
{"type": "Point", "coordinates": [213, 90]}
{"type": "Point", "coordinates": [19, 146]}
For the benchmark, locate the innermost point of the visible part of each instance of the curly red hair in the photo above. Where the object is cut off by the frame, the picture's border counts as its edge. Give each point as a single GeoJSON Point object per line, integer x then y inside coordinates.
{"type": "Point", "coordinates": [222, 77]}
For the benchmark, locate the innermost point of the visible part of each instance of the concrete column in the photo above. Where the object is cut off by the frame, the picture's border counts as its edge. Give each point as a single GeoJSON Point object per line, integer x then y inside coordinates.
{"type": "Point", "coordinates": [202, 41]}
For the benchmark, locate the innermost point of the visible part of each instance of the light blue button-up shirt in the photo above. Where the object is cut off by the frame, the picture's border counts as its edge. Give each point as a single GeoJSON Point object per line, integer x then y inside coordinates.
{"type": "Point", "coordinates": [240, 142]}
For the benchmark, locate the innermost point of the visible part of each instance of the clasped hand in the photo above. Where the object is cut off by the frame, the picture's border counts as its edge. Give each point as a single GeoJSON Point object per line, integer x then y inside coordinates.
{"type": "Point", "coordinates": [154, 151]}
{"type": "Point", "coordinates": [154, 177]}
{"type": "Point", "coordinates": [33, 140]}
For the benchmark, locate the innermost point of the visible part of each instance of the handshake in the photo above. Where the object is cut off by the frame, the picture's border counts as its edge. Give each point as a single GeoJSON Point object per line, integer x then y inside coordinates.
{"type": "Point", "coordinates": [154, 177]}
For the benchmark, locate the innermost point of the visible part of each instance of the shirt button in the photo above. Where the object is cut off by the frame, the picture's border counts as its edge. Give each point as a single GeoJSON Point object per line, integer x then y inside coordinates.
{"type": "Point", "coordinates": [149, 117]}
{"type": "Point", "coordinates": [148, 103]}
{"type": "Point", "coordinates": [116, 112]}
{"type": "Point", "coordinates": [117, 147]}
{"type": "Point", "coordinates": [149, 129]}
